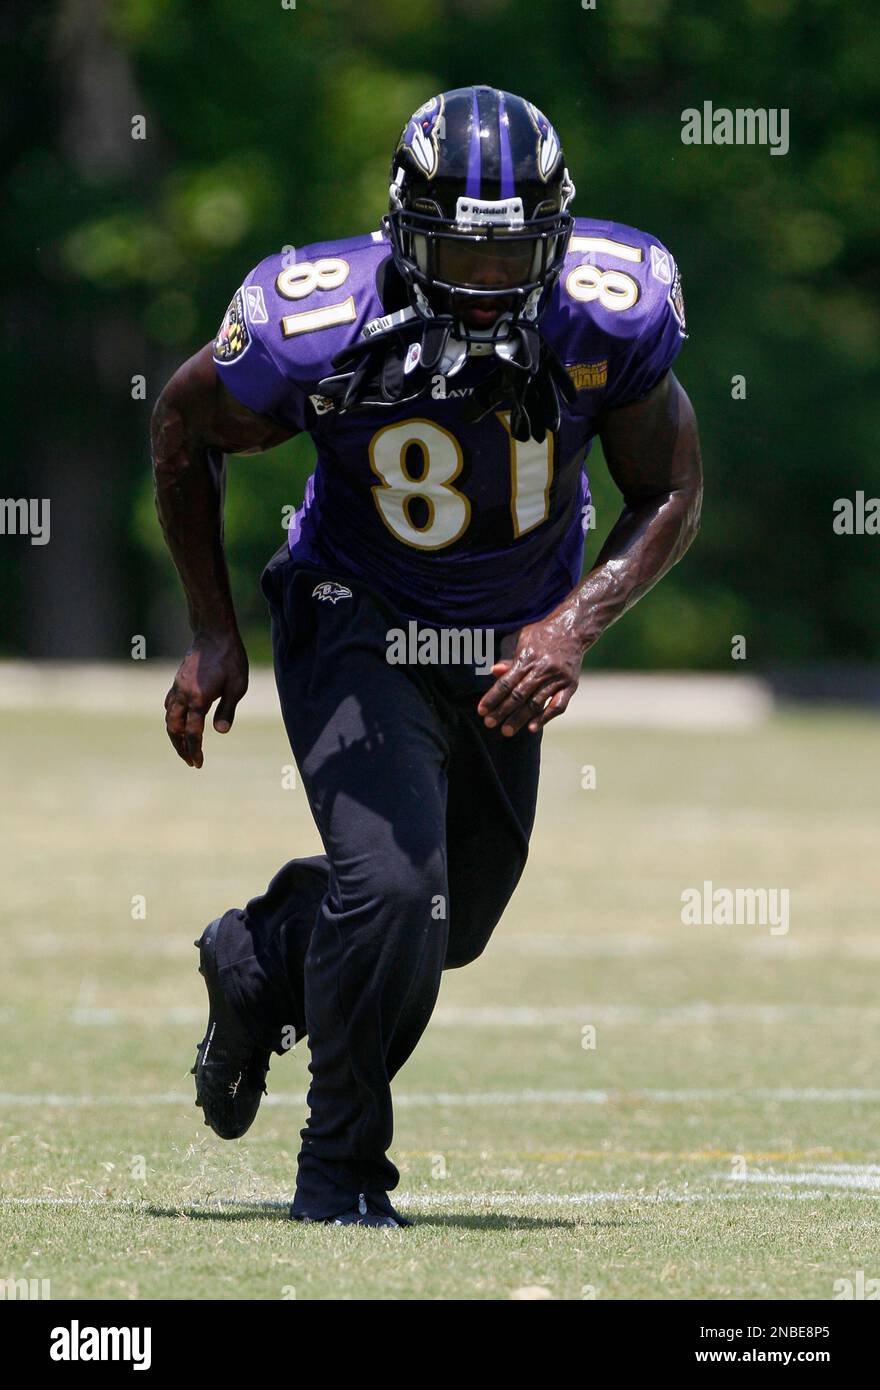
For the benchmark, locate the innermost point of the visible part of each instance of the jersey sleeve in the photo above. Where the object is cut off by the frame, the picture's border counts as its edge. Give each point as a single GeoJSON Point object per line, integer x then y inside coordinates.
{"type": "Point", "coordinates": [641, 360]}
{"type": "Point", "coordinates": [250, 369]}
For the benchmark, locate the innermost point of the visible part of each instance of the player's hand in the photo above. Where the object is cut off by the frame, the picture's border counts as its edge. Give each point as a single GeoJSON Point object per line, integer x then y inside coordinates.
{"type": "Point", "coordinates": [537, 682]}
{"type": "Point", "coordinates": [214, 668]}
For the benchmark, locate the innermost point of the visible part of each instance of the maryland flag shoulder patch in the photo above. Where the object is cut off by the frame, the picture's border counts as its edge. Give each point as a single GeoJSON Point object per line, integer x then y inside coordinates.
{"type": "Point", "coordinates": [233, 338]}
{"type": "Point", "coordinates": [589, 376]}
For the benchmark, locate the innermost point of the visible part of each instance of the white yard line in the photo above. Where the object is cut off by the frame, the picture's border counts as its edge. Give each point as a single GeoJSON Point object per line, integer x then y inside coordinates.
{"type": "Point", "coordinates": [814, 1178]}
{"type": "Point", "coordinates": [520, 1201]}
{"type": "Point", "coordinates": [528, 1016]}
{"type": "Point", "coordinates": [474, 1099]}
{"type": "Point", "coordinates": [89, 1017]}
{"type": "Point", "coordinates": [737, 942]}
{"type": "Point", "coordinates": [549, 946]}
{"type": "Point", "coordinates": [648, 1096]}
{"type": "Point", "coordinates": [846, 1168]}
{"type": "Point", "coordinates": [85, 1014]}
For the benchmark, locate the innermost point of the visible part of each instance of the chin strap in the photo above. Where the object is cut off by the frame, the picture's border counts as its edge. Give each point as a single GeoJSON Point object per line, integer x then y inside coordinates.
{"type": "Point", "coordinates": [403, 350]}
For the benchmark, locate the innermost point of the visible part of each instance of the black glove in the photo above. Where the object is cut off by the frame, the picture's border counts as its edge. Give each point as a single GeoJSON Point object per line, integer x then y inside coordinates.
{"type": "Point", "coordinates": [372, 373]}
{"type": "Point", "coordinates": [534, 377]}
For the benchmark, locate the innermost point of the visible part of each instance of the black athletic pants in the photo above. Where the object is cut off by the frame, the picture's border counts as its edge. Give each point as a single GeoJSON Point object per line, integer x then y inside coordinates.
{"type": "Point", "coordinates": [425, 817]}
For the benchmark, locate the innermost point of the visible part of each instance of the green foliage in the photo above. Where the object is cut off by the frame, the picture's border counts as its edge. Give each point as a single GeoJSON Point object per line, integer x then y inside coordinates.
{"type": "Point", "coordinates": [271, 126]}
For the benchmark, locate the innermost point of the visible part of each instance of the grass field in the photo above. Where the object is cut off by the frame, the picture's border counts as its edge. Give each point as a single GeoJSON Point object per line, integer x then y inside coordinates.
{"type": "Point", "coordinates": [719, 1140]}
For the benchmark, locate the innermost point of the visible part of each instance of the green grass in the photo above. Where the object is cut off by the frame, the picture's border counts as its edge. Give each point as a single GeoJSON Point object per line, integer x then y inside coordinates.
{"type": "Point", "coordinates": [102, 1012]}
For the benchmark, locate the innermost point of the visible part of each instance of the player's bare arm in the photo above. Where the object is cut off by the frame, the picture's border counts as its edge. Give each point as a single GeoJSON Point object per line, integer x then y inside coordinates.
{"type": "Point", "coordinates": [196, 421]}
{"type": "Point", "coordinates": [653, 454]}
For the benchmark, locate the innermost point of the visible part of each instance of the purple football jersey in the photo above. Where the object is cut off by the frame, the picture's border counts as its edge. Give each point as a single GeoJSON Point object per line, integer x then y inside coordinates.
{"type": "Point", "coordinates": [456, 523]}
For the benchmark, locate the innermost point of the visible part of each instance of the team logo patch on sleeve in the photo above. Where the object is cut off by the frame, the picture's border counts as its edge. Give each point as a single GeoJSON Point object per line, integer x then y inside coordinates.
{"type": "Point", "coordinates": [233, 339]}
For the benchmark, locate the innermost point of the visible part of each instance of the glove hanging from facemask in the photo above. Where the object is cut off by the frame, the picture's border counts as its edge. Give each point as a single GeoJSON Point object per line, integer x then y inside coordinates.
{"type": "Point", "coordinates": [395, 365]}
{"type": "Point", "coordinates": [534, 378]}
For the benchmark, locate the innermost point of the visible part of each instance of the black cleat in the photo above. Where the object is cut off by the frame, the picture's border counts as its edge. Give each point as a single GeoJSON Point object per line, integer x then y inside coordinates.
{"type": "Point", "coordinates": [365, 1212]}
{"type": "Point", "coordinates": [230, 1069]}
{"type": "Point", "coordinates": [369, 1218]}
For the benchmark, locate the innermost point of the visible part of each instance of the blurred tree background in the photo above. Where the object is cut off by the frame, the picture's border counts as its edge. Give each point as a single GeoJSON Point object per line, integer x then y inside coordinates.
{"type": "Point", "coordinates": [269, 126]}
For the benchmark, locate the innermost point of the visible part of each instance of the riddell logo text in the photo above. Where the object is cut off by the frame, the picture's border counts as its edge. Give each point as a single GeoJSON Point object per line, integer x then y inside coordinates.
{"type": "Point", "coordinates": [75, 1343]}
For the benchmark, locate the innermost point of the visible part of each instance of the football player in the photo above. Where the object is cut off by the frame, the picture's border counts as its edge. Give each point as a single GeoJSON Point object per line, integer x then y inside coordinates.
{"type": "Point", "coordinates": [452, 368]}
